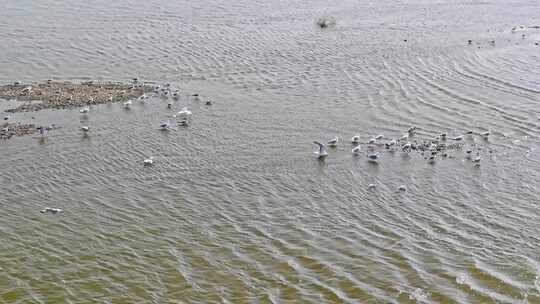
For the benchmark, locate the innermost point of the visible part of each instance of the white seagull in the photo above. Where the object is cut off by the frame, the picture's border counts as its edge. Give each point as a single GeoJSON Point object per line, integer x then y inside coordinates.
{"type": "Point", "coordinates": [333, 143]}
{"type": "Point", "coordinates": [356, 150]}
{"type": "Point", "coordinates": [355, 139]}
{"type": "Point", "coordinates": [127, 104]}
{"type": "Point", "coordinates": [321, 154]}
{"type": "Point", "coordinates": [84, 110]}
{"type": "Point", "coordinates": [149, 161]}
{"type": "Point", "coordinates": [165, 126]}
{"type": "Point", "coordinates": [380, 136]}
{"type": "Point", "coordinates": [52, 210]}
{"type": "Point", "coordinates": [458, 138]}
{"type": "Point", "coordinates": [85, 129]}
{"type": "Point", "coordinates": [373, 157]}
{"type": "Point", "coordinates": [184, 112]}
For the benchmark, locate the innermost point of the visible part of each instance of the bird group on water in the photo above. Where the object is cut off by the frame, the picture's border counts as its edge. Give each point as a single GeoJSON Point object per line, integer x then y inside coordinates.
{"type": "Point", "coordinates": [181, 118]}
{"type": "Point", "coordinates": [430, 149]}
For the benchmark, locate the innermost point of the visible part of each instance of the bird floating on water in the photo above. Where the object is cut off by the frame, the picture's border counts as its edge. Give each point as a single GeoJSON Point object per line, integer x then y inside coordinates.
{"type": "Point", "coordinates": [165, 126]}
{"type": "Point", "coordinates": [458, 138]}
{"type": "Point", "coordinates": [402, 188]}
{"type": "Point", "coordinates": [380, 136]}
{"type": "Point", "coordinates": [184, 112]}
{"type": "Point", "coordinates": [333, 142]}
{"type": "Point", "coordinates": [373, 157]}
{"type": "Point", "coordinates": [149, 161]}
{"type": "Point", "coordinates": [127, 104]}
{"type": "Point", "coordinates": [356, 150]}
{"type": "Point", "coordinates": [372, 186]}
{"type": "Point", "coordinates": [6, 117]}
{"type": "Point", "coordinates": [85, 129]}
{"type": "Point", "coordinates": [84, 110]}
{"type": "Point", "coordinates": [321, 153]}
{"type": "Point", "coordinates": [355, 139]}
{"type": "Point", "coordinates": [52, 210]}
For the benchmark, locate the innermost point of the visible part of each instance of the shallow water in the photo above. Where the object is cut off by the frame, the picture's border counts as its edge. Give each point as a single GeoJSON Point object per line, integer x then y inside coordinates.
{"type": "Point", "coordinates": [236, 209]}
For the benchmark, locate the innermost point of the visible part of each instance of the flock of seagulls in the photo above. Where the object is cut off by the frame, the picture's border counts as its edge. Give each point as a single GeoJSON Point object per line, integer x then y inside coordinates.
{"type": "Point", "coordinates": [430, 149]}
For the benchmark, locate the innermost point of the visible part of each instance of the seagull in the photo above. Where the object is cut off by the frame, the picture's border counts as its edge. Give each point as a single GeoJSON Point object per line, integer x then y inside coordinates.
{"type": "Point", "coordinates": [184, 112]}
{"type": "Point", "coordinates": [469, 132]}
{"type": "Point", "coordinates": [356, 150]}
{"type": "Point", "coordinates": [402, 188]}
{"type": "Point", "coordinates": [169, 105]}
{"type": "Point", "coordinates": [183, 122]}
{"type": "Point", "coordinates": [85, 129]}
{"type": "Point", "coordinates": [372, 141]}
{"type": "Point", "coordinates": [457, 138]}
{"type": "Point", "coordinates": [143, 97]}
{"type": "Point", "coordinates": [442, 136]}
{"type": "Point", "coordinates": [485, 134]}
{"type": "Point", "coordinates": [165, 126]}
{"type": "Point", "coordinates": [333, 143]}
{"type": "Point", "coordinates": [373, 157]}
{"type": "Point", "coordinates": [208, 102]}
{"type": "Point", "coordinates": [52, 210]}
{"type": "Point", "coordinates": [6, 117]}
{"type": "Point", "coordinates": [406, 147]}
{"type": "Point", "coordinates": [110, 98]}
{"type": "Point", "coordinates": [84, 110]}
{"type": "Point", "coordinates": [149, 161]}
{"type": "Point", "coordinates": [321, 154]}
{"type": "Point", "coordinates": [355, 139]}
{"type": "Point", "coordinates": [380, 136]}
{"type": "Point", "coordinates": [411, 130]}
{"type": "Point", "coordinates": [476, 160]}
{"type": "Point", "coordinates": [127, 104]}
{"type": "Point", "coordinates": [372, 186]}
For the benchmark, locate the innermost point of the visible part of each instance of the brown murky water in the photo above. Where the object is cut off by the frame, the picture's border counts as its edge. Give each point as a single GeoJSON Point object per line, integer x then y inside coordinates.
{"type": "Point", "coordinates": [236, 209]}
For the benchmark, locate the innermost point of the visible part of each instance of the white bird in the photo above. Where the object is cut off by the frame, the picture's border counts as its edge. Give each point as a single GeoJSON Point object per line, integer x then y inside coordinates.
{"type": "Point", "coordinates": [165, 126]}
{"type": "Point", "coordinates": [380, 136]}
{"type": "Point", "coordinates": [110, 98]}
{"type": "Point", "coordinates": [406, 147]}
{"type": "Point", "coordinates": [402, 188]}
{"type": "Point", "coordinates": [485, 134]}
{"type": "Point", "coordinates": [355, 139]}
{"type": "Point", "coordinates": [85, 129]}
{"type": "Point", "coordinates": [411, 130]}
{"type": "Point", "coordinates": [356, 150]}
{"type": "Point", "coordinates": [84, 110]}
{"type": "Point", "coordinates": [333, 143]}
{"type": "Point", "coordinates": [184, 112]}
{"type": "Point", "coordinates": [321, 154]}
{"type": "Point", "coordinates": [372, 141]}
{"type": "Point", "coordinates": [127, 104]}
{"type": "Point", "coordinates": [373, 157]}
{"type": "Point", "coordinates": [52, 210]}
{"type": "Point", "coordinates": [143, 97]}
{"type": "Point", "coordinates": [149, 161]}
{"type": "Point", "coordinates": [477, 159]}
{"type": "Point", "coordinates": [457, 138]}
{"type": "Point", "coordinates": [372, 186]}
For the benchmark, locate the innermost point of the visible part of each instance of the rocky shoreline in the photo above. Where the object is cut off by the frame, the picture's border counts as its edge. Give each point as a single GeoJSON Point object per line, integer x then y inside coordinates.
{"type": "Point", "coordinates": [62, 95]}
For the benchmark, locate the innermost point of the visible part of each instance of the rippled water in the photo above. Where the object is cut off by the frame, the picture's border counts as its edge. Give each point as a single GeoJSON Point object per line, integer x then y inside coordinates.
{"type": "Point", "coordinates": [236, 209]}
